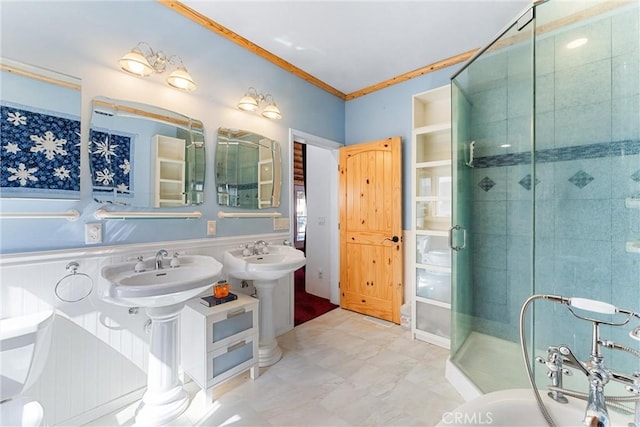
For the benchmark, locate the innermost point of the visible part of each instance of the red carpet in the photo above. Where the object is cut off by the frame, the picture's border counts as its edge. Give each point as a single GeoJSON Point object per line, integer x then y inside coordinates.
{"type": "Point", "coordinates": [307, 306]}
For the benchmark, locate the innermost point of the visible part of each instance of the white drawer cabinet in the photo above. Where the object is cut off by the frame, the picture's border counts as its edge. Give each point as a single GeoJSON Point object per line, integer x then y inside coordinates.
{"type": "Point", "coordinates": [219, 342]}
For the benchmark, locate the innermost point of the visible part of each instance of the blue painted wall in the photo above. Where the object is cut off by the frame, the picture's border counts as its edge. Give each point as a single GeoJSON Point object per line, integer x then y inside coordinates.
{"type": "Point", "coordinates": [387, 113]}
{"type": "Point", "coordinates": [86, 39]}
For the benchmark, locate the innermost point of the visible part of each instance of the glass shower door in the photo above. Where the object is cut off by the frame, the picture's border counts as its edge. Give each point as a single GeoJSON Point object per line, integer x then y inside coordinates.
{"type": "Point", "coordinates": [492, 110]}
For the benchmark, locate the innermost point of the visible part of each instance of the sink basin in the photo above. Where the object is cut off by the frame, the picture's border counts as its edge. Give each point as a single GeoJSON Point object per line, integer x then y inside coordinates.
{"type": "Point", "coordinates": [280, 261]}
{"type": "Point", "coordinates": [161, 287]}
{"type": "Point", "coordinates": [264, 270]}
{"type": "Point", "coordinates": [518, 407]}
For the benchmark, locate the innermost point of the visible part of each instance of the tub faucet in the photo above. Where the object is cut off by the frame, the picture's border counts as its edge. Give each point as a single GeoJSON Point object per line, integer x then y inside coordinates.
{"type": "Point", "coordinates": [598, 376]}
{"type": "Point", "coordinates": [554, 363]}
{"type": "Point", "coordinates": [159, 256]}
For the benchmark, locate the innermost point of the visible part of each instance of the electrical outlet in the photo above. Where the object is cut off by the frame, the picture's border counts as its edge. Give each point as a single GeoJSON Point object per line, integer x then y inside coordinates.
{"type": "Point", "coordinates": [211, 228]}
{"type": "Point", "coordinates": [93, 233]}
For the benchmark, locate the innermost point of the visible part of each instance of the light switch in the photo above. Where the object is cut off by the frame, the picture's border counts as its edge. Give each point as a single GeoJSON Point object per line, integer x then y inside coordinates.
{"type": "Point", "coordinates": [211, 228]}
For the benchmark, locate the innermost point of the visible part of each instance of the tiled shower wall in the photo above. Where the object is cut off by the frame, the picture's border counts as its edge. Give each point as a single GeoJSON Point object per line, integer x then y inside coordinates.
{"type": "Point", "coordinates": [98, 356]}
{"type": "Point", "coordinates": [586, 163]}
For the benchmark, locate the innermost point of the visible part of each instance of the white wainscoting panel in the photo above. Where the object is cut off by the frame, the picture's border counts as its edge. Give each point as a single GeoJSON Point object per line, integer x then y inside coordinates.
{"type": "Point", "coordinates": [99, 351]}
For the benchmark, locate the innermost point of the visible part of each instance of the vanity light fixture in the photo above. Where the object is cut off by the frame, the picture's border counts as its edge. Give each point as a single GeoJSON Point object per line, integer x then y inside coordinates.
{"type": "Point", "coordinates": [252, 100]}
{"type": "Point", "coordinates": [143, 61]}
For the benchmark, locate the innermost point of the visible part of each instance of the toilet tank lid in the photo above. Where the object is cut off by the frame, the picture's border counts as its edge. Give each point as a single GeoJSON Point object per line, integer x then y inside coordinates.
{"type": "Point", "coordinates": [26, 324]}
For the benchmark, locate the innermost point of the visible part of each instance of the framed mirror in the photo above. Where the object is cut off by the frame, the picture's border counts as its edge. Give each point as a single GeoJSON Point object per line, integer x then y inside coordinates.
{"type": "Point", "coordinates": [145, 156]}
{"type": "Point", "coordinates": [39, 133]}
{"type": "Point", "coordinates": [248, 170]}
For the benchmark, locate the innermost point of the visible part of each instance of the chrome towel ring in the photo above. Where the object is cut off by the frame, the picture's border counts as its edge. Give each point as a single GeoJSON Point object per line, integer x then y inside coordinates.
{"type": "Point", "coordinates": [73, 287]}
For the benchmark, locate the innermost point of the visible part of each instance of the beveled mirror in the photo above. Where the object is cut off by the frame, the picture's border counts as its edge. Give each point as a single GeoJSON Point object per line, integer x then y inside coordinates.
{"type": "Point", "coordinates": [248, 170]}
{"type": "Point", "coordinates": [39, 133]}
{"type": "Point", "coordinates": [145, 156]}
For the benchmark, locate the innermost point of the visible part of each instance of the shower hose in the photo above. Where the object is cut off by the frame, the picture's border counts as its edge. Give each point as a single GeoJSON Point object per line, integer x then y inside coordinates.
{"type": "Point", "coordinates": [613, 401]}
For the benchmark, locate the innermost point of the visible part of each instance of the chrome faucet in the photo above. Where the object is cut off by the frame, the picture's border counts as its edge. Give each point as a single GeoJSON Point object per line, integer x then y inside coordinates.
{"type": "Point", "coordinates": [159, 256]}
{"type": "Point", "coordinates": [597, 373]}
{"type": "Point", "coordinates": [259, 247]}
{"type": "Point", "coordinates": [554, 363]}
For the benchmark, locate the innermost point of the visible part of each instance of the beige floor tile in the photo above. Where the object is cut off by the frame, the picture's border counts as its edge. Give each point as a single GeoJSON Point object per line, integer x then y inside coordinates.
{"type": "Point", "coordinates": [341, 369]}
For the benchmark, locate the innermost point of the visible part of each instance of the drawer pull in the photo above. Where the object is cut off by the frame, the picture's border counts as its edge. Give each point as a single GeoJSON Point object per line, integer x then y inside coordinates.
{"type": "Point", "coordinates": [236, 346]}
{"type": "Point", "coordinates": [236, 313]}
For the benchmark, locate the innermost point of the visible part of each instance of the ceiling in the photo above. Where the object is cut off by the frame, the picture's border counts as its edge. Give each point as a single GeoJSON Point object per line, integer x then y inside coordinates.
{"type": "Point", "coordinates": [351, 45]}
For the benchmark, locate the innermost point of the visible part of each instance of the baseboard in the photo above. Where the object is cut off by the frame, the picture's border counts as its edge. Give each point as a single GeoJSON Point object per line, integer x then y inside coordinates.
{"type": "Point", "coordinates": [102, 410]}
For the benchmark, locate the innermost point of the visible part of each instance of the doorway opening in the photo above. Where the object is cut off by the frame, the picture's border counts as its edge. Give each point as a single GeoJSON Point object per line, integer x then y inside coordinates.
{"type": "Point", "coordinates": [307, 305]}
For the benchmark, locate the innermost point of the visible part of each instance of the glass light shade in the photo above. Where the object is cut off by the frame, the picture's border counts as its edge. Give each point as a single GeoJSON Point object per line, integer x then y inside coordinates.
{"type": "Point", "coordinates": [271, 111]}
{"type": "Point", "coordinates": [248, 103]}
{"type": "Point", "coordinates": [135, 63]}
{"type": "Point", "coordinates": [180, 79]}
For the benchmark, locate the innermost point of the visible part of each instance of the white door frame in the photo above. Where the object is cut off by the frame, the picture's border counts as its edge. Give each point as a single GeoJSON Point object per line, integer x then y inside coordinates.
{"type": "Point", "coordinates": [317, 141]}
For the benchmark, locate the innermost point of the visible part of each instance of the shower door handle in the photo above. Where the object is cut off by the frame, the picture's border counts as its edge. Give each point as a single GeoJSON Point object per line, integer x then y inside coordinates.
{"type": "Point", "coordinates": [464, 238]}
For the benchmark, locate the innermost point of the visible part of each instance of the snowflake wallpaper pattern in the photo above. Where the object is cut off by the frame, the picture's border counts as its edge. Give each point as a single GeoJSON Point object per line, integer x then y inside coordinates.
{"type": "Point", "coordinates": [39, 151]}
{"type": "Point", "coordinates": [110, 156]}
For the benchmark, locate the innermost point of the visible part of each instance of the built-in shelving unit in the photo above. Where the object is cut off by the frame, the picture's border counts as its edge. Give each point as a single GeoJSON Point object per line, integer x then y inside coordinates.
{"type": "Point", "coordinates": [431, 216]}
{"type": "Point", "coordinates": [265, 174]}
{"type": "Point", "coordinates": [168, 171]}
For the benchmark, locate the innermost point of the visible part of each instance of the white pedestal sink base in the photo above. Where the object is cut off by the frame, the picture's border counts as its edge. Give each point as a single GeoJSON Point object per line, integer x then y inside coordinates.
{"type": "Point", "coordinates": [165, 399]}
{"type": "Point", "coordinates": [269, 354]}
{"type": "Point", "coordinates": [161, 413]}
{"type": "Point", "coordinates": [268, 351]}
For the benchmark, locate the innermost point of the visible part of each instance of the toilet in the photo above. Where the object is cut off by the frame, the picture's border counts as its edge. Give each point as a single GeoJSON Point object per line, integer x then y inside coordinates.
{"type": "Point", "coordinates": [24, 346]}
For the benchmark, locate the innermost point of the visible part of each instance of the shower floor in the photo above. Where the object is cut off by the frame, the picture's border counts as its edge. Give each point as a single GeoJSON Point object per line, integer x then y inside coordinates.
{"type": "Point", "coordinates": [491, 363]}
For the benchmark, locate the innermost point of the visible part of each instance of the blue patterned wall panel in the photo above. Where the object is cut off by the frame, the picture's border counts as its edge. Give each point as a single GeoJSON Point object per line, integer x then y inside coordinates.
{"type": "Point", "coordinates": [111, 162]}
{"type": "Point", "coordinates": [39, 152]}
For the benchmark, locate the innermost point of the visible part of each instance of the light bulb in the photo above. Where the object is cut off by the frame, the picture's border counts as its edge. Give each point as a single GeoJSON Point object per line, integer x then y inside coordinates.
{"type": "Point", "coordinates": [135, 63]}
{"type": "Point", "coordinates": [180, 79]}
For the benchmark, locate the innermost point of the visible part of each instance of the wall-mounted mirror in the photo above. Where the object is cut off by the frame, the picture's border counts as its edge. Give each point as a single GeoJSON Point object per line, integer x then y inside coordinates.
{"type": "Point", "coordinates": [248, 170]}
{"type": "Point", "coordinates": [39, 133]}
{"type": "Point", "coordinates": [145, 156]}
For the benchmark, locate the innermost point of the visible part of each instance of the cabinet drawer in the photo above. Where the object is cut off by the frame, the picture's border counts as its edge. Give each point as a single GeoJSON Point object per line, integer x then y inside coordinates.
{"type": "Point", "coordinates": [223, 326]}
{"type": "Point", "coordinates": [228, 361]}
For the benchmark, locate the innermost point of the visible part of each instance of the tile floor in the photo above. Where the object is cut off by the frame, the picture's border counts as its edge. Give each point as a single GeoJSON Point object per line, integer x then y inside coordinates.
{"type": "Point", "coordinates": [340, 369]}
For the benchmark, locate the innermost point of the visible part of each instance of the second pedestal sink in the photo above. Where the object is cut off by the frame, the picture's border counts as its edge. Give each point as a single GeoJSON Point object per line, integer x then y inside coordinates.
{"type": "Point", "coordinates": [162, 290]}
{"type": "Point", "coordinates": [264, 269]}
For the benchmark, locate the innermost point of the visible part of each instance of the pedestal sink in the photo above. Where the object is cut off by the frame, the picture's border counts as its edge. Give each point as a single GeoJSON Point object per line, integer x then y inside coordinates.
{"type": "Point", "coordinates": [162, 292]}
{"type": "Point", "coordinates": [264, 269]}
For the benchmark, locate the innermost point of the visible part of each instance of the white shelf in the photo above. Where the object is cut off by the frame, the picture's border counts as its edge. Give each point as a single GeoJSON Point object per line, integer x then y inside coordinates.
{"type": "Point", "coordinates": [433, 302]}
{"type": "Point", "coordinates": [435, 128]}
{"type": "Point", "coordinates": [168, 171]}
{"type": "Point", "coordinates": [431, 167]}
{"type": "Point", "coordinates": [432, 199]}
{"type": "Point", "coordinates": [434, 164]}
{"type": "Point", "coordinates": [432, 338]}
{"type": "Point", "coordinates": [438, 233]}
{"type": "Point", "coordinates": [433, 267]}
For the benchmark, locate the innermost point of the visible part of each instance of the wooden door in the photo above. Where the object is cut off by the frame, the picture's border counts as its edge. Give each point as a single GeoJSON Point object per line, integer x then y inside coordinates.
{"type": "Point", "coordinates": [370, 192]}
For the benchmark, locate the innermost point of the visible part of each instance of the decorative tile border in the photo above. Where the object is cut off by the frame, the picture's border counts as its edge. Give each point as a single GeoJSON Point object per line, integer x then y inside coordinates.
{"type": "Point", "coordinates": [578, 152]}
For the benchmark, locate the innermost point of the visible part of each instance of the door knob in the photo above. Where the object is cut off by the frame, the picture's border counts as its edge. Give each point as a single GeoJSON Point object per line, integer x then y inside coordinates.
{"type": "Point", "coordinates": [394, 239]}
